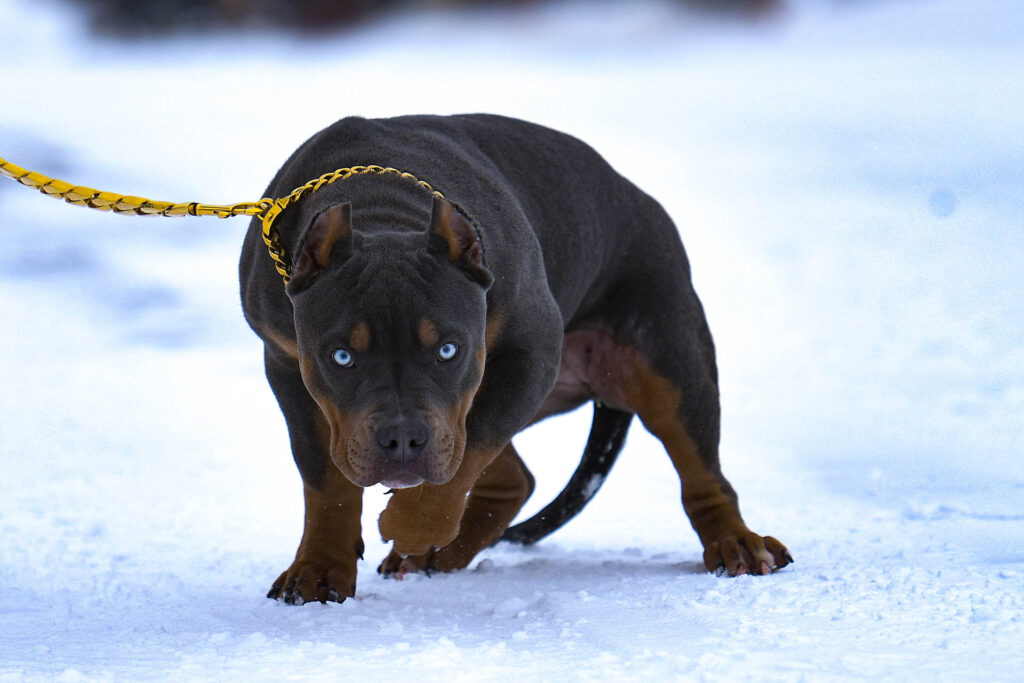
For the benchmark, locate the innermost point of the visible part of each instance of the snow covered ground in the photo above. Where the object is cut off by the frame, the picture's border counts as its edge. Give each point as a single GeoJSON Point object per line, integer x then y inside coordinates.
{"type": "Point", "coordinates": [849, 181]}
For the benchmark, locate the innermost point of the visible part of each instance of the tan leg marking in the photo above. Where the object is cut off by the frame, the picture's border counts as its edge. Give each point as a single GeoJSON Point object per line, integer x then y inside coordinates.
{"type": "Point", "coordinates": [728, 543]}
{"type": "Point", "coordinates": [425, 517]}
{"type": "Point", "coordinates": [495, 500]}
{"type": "Point", "coordinates": [324, 568]}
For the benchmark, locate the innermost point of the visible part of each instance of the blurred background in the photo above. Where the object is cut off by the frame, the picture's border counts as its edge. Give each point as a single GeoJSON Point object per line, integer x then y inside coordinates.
{"type": "Point", "coordinates": [847, 176]}
{"type": "Point", "coordinates": [846, 173]}
{"type": "Point", "coordinates": [130, 17]}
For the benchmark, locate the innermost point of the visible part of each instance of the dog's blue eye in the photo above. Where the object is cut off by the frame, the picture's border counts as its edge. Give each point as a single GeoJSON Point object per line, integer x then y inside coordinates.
{"type": "Point", "coordinates": [343, 358]}
{"type": "Point", "coordinates": [447, 351]}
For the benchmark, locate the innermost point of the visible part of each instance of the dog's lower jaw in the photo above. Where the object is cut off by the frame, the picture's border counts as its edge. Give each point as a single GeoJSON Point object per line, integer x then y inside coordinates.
{"type": "Point", "coordinates": [402, 480]}
{"type": "Point", "coordinates": [395, 476]}
{"type": "Point", "coordinates": [406, 479]}
{"type": "Point", "coordinates": [438, 467]}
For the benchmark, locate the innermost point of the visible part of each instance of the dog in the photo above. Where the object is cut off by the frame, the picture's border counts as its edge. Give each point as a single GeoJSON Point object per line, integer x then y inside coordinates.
{"type": "Point", "coordinates": [506, 274]}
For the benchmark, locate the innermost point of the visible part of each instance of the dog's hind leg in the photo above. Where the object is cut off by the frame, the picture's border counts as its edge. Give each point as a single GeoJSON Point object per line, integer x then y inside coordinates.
{"type": "Point", "coordinates": [494, 501]}
{"type": "Point", "coordinates": [682, 410]}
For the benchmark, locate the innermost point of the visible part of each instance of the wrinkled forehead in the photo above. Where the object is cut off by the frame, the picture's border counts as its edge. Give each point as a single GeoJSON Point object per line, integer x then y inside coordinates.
{"type": "Point", "coordinates": [388, 290]}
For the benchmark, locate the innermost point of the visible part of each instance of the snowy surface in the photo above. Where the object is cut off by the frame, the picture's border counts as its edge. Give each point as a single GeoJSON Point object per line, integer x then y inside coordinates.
{"type": "Point", "coordinates": [849, 181]}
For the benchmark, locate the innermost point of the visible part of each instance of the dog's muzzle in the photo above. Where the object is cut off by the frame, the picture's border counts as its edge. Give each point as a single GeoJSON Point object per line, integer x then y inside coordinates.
{"type": "Point", "coordinates": [403, 443]}
{"type": "Point", "coordinates": [402, 439]}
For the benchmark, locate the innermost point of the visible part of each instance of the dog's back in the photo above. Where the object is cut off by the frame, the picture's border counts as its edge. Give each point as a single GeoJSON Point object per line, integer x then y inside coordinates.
{"type": "Point", "coordinates": [530, 189]}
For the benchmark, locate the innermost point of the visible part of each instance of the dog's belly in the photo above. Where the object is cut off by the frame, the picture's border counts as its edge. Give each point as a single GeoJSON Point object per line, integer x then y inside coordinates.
{"type": "Point", "coordinates": [591, 369]}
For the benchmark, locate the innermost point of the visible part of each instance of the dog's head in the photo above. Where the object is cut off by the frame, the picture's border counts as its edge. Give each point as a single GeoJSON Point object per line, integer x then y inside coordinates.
{"type": "Point", "coordinates": [391, 338]}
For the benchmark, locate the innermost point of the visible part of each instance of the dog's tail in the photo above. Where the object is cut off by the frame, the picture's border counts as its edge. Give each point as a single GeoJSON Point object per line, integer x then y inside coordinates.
{"type": "Point", "coordinates": [607, 434]}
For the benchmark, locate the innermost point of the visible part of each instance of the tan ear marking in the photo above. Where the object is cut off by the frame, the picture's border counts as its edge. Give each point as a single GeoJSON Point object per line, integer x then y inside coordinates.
{"type": "Point", "coordinates": [330, 226]}
{"type": "Point", "coordinates": [441, 224]}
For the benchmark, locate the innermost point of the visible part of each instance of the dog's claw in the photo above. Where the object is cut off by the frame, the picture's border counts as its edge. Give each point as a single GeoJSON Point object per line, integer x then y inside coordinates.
{"type": "Point", "coordinates": [396, 566]}
{"type": "Point", "coordinates": [746, 553]}
{"type": "Point", "coordinates": [308, 582]}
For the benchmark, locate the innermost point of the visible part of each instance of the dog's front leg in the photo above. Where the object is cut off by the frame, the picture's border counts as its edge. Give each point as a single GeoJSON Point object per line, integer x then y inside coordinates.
{"type": "Point", "coordinates": [428, 517]}
{"type": "Point", "coordinates": [494, 501]}
{"type": "Point", "coordinates": [324, 568]}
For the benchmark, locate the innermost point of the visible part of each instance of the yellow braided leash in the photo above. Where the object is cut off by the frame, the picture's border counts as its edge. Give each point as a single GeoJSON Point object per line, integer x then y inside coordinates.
{"type": "Point", "coordinates": [266, 209]}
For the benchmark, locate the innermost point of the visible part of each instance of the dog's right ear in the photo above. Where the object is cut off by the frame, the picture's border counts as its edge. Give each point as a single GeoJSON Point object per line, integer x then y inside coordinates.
{"type": "Point", "coordinates": [328, 237]}
{"type": "Point", "coordinates": [451, 235]}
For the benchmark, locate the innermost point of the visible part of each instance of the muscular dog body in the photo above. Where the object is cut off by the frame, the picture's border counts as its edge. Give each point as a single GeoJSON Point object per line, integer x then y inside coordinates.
{"type": "Point", "coordinates": [419, 334]}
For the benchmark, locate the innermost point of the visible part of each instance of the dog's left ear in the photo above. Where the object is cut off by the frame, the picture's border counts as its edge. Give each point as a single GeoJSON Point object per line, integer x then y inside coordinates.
{"type": "Point", "coordinates": [451, 235]}
{"type": "Point", "coordinates": [329, 236]}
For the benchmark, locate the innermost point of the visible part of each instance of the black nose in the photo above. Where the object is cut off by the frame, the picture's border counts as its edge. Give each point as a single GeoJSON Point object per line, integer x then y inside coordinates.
{"type": "Point", "coordinates": [402, 438]}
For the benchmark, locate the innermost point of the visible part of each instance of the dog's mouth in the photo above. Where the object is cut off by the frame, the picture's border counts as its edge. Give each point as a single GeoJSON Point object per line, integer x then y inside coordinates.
{"type": "Point", "coordinates": [434, 467]}
{"type": "Point", "coordinates": [366, 457]}
{"type": "Point", "coordinates": [402, 480]}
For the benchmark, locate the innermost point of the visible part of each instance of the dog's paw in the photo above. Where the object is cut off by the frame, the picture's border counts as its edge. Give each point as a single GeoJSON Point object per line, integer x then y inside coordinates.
{"type": "Point", "coordinates": [746, 553]}
{"type": "Point", "coordinates": [450, 558]}
{"type": "Point", "coordinates": [312, 580]}
{"type": "Point", "coordinates": [416, 532]}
